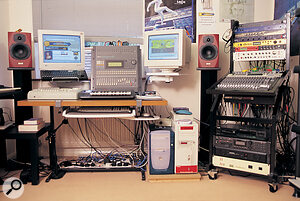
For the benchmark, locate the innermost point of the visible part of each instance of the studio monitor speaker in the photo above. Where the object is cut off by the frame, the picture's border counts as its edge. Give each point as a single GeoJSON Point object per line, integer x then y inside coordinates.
{"type": "Point", "coordinates": [19, 50]}
{"type": "Point", "coordinates": [208, 52]}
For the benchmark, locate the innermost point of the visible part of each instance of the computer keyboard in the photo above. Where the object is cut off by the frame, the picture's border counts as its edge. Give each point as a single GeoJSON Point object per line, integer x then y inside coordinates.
{"type": "Point", "coordinates": [93, 94]}
{"type": "Point", "coordinates": [51, 75]}
{"type": "Point", "coordinates": [99, 112]}
{"type": "Point", "coordinates": [54, 94]}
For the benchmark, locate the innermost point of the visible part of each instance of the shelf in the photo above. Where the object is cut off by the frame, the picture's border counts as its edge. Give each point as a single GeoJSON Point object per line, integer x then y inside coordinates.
{"type": "Point", "coordinates": [13, 133]}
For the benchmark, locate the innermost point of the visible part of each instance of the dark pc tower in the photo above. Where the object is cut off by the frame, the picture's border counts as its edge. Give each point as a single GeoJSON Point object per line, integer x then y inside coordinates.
{"type": "Point", "coordinates": [161, 150]}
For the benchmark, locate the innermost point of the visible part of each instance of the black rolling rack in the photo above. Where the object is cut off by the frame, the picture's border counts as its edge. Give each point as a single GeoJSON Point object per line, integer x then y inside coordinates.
{"type": "Point", "coordinates": [247, 144]}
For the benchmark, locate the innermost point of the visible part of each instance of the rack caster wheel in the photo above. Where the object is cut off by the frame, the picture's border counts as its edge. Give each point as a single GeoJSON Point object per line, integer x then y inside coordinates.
{"type": "Point", "coordinates": [143, 176]}
{"type": "Point", "coordinates": [273, 187]}
{"type": "Point", "coordinates": [212, 175]}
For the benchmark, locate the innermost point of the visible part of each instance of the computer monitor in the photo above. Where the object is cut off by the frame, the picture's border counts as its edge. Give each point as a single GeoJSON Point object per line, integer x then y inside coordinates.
{"type": "Point", "coordinates": [61, 50]}
{"type": "Point", "coordinates": [167, 49]}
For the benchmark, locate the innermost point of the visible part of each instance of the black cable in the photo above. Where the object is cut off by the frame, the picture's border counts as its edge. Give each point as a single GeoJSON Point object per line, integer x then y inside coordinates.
{"type": "Point", "coordinates": [95, 126]}
{"type": "Point", "coordinates": [146, 83]}
{"type": "Point", "coordinates": [88, 140]}
{"type": "Point", "coordinates": [126, 126]}
{"type": "Point", "coordinates": [77, 135]}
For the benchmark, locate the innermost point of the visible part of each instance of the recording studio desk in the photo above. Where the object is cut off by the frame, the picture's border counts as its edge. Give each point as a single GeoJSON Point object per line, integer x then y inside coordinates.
{"type": "Point", "coordinates": [61, 103]}
{"type": "Point", "coordinates": [56, 173]}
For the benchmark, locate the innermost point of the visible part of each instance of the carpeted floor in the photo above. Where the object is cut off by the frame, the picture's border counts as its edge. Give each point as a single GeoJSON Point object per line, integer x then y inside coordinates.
{"type": "Point", "coordinates": [128, 186]}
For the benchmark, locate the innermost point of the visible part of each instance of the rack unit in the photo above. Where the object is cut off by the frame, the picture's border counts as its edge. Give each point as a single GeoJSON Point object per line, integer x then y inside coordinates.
{"type": "Point", "coordinates": [245, 140]}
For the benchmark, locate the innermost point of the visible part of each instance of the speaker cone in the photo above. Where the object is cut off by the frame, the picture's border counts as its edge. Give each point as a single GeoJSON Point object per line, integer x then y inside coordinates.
{"type": "Point", "coordinates": [209, 52]}
{"type": "Point", "coordinates": [20, 51]}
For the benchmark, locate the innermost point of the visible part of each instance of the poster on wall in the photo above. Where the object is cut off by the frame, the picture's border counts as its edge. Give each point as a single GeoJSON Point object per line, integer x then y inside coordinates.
{"type": "Point", "coordinates": [241, 10]}
{"type": "Point", "coordinates": [289, 6]}
{"type": "Point", "coordinates": [206, 17]}
{"type": "Point", "coordinates": [171, 14]}
{"type": "Point", "coordinates": [285, 6]}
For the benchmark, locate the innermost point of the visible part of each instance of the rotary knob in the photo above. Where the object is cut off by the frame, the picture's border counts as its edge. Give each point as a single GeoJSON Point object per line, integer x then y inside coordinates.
{"type": "Point", "coordinates": [133, 62]}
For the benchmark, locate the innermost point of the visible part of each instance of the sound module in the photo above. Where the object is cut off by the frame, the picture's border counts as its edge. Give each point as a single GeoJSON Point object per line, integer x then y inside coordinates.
{"type": "Point", "coordinates": [261, 41]}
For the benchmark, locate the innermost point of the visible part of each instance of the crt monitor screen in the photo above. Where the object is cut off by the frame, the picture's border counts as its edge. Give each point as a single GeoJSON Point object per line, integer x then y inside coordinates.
{"type": "Point", "coordinates": [163, 47]}
{"type": "Point", "coordinates": [61, 48]}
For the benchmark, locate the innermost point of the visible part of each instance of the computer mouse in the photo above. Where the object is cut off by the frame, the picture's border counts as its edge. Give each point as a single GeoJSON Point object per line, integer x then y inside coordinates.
{"type": "Point", "coordinates": [186, 112]}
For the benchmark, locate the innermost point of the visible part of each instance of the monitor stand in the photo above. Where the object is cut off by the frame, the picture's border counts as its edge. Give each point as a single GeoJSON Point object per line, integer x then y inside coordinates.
{"type": "Point", "coordinates": [165, 75]}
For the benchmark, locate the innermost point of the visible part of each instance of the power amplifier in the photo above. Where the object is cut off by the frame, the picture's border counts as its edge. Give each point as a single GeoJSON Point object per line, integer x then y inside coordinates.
{"type": "Point", "coordinates": [241, 144]}
{"type": "Point", "coordinates": [243, 155]}
{"type": "Point", "coordinates": [244, 131]}
{"type": "Point", "coordinates": [260, 33]}
{"type": "Point", "coordinates": [241, 165]}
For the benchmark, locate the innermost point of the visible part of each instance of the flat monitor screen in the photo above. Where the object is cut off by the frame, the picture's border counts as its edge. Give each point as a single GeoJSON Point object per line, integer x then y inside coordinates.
{"type": "Point", "coordinates": [163, 47]}
{"type": "Point", "coordinates": [61, 48]}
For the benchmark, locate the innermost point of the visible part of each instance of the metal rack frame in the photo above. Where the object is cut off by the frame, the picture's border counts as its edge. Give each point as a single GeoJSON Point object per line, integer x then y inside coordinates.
{"type": "Point", "coordinates": [273, 99]}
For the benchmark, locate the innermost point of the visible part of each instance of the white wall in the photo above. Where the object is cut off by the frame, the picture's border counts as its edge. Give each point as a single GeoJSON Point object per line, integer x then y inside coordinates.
{"type": "Point", "coordinates": [5, 75]}
{"type": "Point", "coordinates": [20, 15]}
{"type": "Point", "coordinates": [94, 17]}
{"type": "Point", "coordinates": [14, 14]}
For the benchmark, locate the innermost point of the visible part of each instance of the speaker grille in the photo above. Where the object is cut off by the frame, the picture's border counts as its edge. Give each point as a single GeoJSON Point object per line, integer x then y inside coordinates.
{"type": "Point", "coordinates": [208, 52]}
{"type": "Point", "coordinates": [20, 51]}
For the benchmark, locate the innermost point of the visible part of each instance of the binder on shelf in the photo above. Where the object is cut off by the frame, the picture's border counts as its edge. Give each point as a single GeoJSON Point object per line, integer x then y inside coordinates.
{"type": "Point", "coordinates": [31, 128]}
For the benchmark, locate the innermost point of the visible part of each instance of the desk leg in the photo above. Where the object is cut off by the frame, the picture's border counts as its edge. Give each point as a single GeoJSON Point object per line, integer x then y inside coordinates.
{"type": "Point", "coordinates": [142, 137]}
{"type": "Point", "coordinates": [3, 156]}
{"type": "Point", "coordinates": [34, 157]}
{"type": "Point", "coordinates": [56, 172]}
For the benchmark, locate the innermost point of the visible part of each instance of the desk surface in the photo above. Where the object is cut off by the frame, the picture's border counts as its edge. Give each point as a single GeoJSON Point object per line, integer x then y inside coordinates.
{"type": "Point", "coordinates": [90, 102]}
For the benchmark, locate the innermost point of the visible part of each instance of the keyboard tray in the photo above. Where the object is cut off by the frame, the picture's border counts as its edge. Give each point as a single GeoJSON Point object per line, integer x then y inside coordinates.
{"type": "Point", "coordinates": [74, 114]}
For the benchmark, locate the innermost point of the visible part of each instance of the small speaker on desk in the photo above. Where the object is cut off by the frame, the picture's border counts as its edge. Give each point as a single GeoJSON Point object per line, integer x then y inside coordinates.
{"type": "Point", "coordinates": [19, 50]}
{"type": "Point", "coordinates": [208, 52]}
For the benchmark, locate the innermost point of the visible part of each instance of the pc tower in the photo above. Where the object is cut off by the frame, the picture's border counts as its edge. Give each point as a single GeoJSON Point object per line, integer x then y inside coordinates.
{"type": "Point", "coordinates": [19, 50]}
{"type": "Point", "coordinates": [186, 146]}
{"type": "Point", "coordinates": [161, 150]}
{"type": "Point", "coordinates": [208, 52]}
